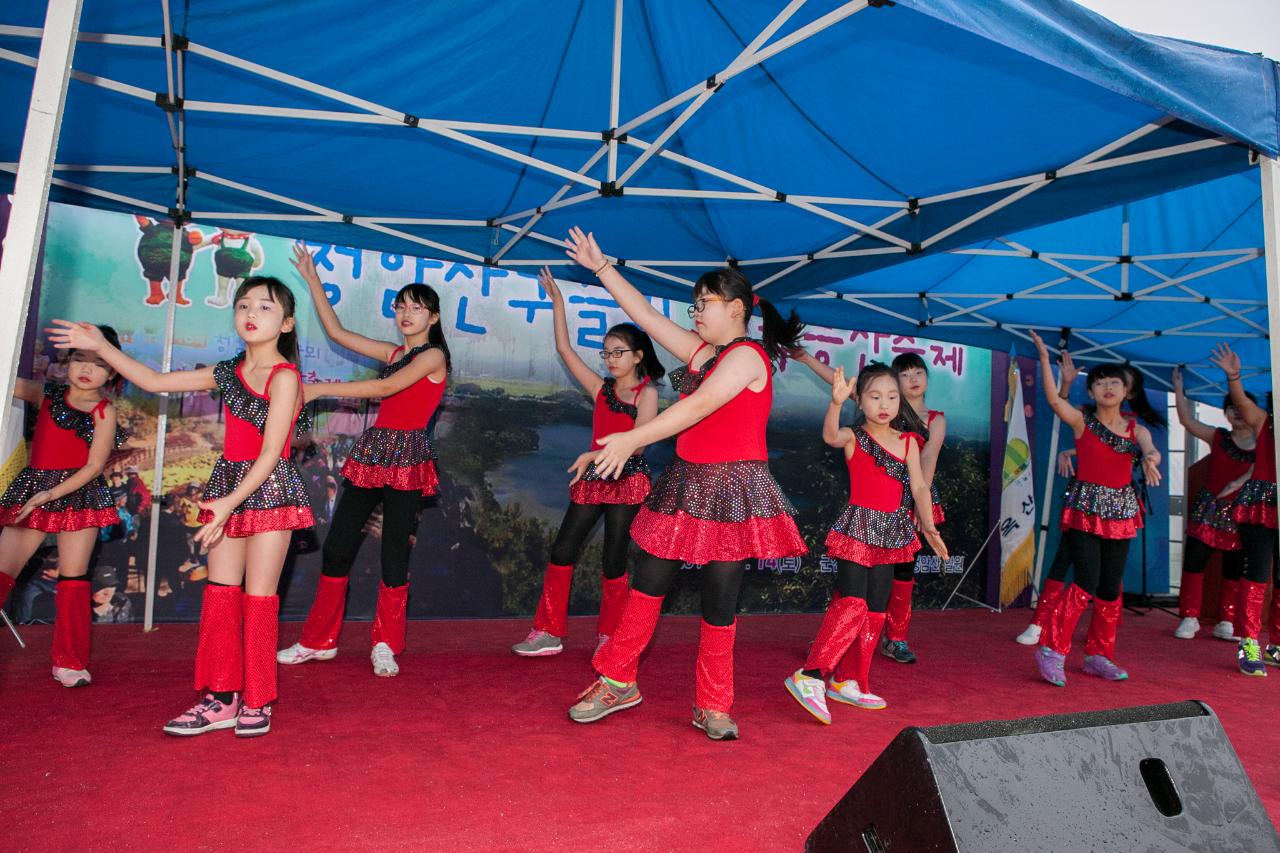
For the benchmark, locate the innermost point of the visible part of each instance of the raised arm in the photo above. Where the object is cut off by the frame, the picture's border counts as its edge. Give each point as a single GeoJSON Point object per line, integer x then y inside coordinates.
{"type": "Point", "coordinates": [104, 440]}
{"type": "Point", "coordinates": [923, 500]}
{"type": "Point", "coordinates": [88, 337]}
{"type": "Point", "coordinates": [429, 363]}
{"type": "Point", "coordinates": [932, 447]}
{"type": "Point", "coordinates": [1254, 415]}
{"type": "Point", "coordinates": [586, 377]}
{"type": "Point", "coordinates": [841, 389]}
{"type": "Point", "coordinates": [28, 390]}
{"type": "Point", "coordinates": [333, 328]}
{"type": "Point", "coordinates": [823, 371]}
{"type": "Point", "coordinates": [1150, 456]}
{"type": "Point", "coordinates": [1069, 415]}
{"type": "Point", "coordinates": [680, 342]}
{"type": "Point", "coordinates": [1202, 431]}
{"type": "Point", "coordinates": [1067, 373]}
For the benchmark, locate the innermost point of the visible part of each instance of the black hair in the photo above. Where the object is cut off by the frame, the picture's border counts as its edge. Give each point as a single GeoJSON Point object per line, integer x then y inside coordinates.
{"type": "Point", "coordinates": [637, 339]}
{"type": "Point", "coordinates": [906, 420]}
{"type": "Point", "coordinates": [280, 294]}
{"type": "Point", "coordinates": [780, 334]}
{"type": "Point", "coordinates": [1138, 401]}
{"type": "Point", "coordinates": [909, 361]}
{"type": "Point", "coordinates": [425, 295]}
{"type": "Point", "coordinates": [1249, 395]}
{"type": "Point", "coordinates": [116, 383]}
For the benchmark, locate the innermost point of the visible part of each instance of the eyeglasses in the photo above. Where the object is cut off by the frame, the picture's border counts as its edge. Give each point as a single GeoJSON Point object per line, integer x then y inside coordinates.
{"type": "Point", "coordinates": [412, 307]}
{"type": "Point", "coordinates": [700, 305]}
{"type": "Point", "coordinates": [609, 354]}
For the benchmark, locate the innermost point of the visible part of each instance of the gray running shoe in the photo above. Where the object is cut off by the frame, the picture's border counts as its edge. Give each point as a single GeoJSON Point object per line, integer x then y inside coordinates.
{"type": "Point", "coordinates": [538, 644]}
{"type": "Point", "coordinates": [601, 699]}
{"type": "Point", "coordinates": [717, 724]}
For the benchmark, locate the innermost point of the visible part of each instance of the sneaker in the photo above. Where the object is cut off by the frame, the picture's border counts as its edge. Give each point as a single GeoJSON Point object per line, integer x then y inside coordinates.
{"type": "Point", "coordinates": [298, 653]}
{"type": "Point", "coordinates": [1103, 667]}
{"type": "Point", "coordinates": [1187, 628]}
{"type": "Point", "coordinates": [717, 724]}
{"type": "Point", "coordinates": [1271, 654]}
{"type": "Point", "coordinates": [1029, 637]}
{"type": "Point", "coordinates": [1225, 630]}
{"type": "Point", "coordinates": [1049, 664]}
{"type": "Point", "coordinates": [205, 716]}
{"type": "Point", "coordinates": [538, 644]}
{"type": "Point", "coordinates": [253, 722]}
{"type": "Point", "coordinates": [849, 693]}
{"type": "Point", "coordinates": [601, 699]}
{"type": "Point", "coordinates": [810, 693]}
{"type": "Point", "coordinates": [898, 650]}
{"type": "Point", "coordinates": [384, 661]}
{"type": "Point", "coordinates": [601, 639]}
{"type": "Point", "coordinates": [71, 677]}
{"type": "Point", "coordinates": [1250, 658]}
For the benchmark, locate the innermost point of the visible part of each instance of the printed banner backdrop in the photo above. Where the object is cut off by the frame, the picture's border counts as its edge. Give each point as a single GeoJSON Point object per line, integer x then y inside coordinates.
{"type": "Point", "coordinates": [512, 421]}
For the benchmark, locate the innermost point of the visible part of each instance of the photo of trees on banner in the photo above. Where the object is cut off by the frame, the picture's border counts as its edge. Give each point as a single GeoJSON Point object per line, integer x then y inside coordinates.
{"type": "Point", "coordinates": [512, 421]}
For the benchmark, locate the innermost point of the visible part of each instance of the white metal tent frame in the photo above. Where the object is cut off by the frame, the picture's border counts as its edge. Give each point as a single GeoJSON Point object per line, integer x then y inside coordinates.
{"type": "Point", "coordinates": [36, 172]}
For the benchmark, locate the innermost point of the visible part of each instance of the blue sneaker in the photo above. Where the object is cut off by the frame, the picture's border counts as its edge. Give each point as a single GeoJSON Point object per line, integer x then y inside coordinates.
{"type": "Point", "coordinates": [898, 650]}
{"type": "Point", "coordinates": [1249, 657]}
{"type": "Point", "coordinates": [1271, 655]}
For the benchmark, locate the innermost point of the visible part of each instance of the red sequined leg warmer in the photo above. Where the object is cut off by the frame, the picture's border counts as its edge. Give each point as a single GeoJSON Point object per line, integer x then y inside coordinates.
{"type": "Point", "coordinates": [6, 587]}
{"type": "Point", "coordinates": [1101, 639]}
{"type": "Point", "coordinates": [324, 621]}
{"type": "Point", "coordinates": [71, 624]}
{"type": "Point", "coordinates": [261, 636]}
{"type": "Point", "coordinates": [220, 648]}
{"type": "Point", "coordinates": [864, 650]}
{"type": "Point", "coordinates": [898, 613]}
{"type": "Point", "coordinates": [1273, 624]}
{"type": "Point", "coordinates": [1191, 596]}
{"type": "Point", "coordinates": [613, 597]}
{"type": "Point", "coordinates": [1228, 597]}
{"type": "Point", "coordinates": [1062, 622]}
{"type": "Point", "coordinates": [389, 620]}
{"type": "Point", "coordinates": [1047, 602]}
{"type": "Point", "coordinates": [840, 627]}
{"type": "Point", "coordinates": [620, 657]}
{"type": "Point", "coordinates": [1249, 616]}
{"type": "Point", "coordinates": [553, 607]}
{"type": "Point", "coordinates": [713, 689]}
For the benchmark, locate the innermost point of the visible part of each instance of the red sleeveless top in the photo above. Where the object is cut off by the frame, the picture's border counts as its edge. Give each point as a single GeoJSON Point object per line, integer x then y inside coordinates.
{"type": "Point", "coordinates": [244, 437]}
{"type": "Point", "coordinates": [1104, 464]}
{"type": "Point", "coordinates": [1227, 461]}
{"type": "Point", "coordinates": [1264, 466]}
{"type": "Point", "coordinates": [611, 414]}
{"type": "Point", "coordinates": [55, 447]}
{"type": "Point", "coordinates": [412, 407]}
{"type": "Point", "coordinates": [736, 431]}
{"type": "Point", "coordinates": [870, 485]}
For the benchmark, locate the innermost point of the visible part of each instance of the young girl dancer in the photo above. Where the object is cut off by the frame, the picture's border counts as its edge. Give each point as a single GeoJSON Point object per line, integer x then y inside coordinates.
{"type": "Point", "coordinates": [1255, 513]}
{"type": "Point", "coordinates": [874, 533]}
{"type": "Point", "coordinates": [254, 500]}
{"type": "Point", "coordinates": [62, 491]}
{"type": "Point", "coordinates": [392, 463]}
{"type": "Point", "coordinates": [716, 504]}
{"type": "Point", "coordinates": [1101, 514]}
{"type": "Point", "coordinates": [1211, 524]}
{"type": "Point", "coordinates": [626, 399]}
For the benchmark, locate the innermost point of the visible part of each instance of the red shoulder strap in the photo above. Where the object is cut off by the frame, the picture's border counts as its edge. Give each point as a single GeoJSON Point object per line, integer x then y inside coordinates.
{"type": "Point", "coordinates": [639, 388]}
{"type": "Point", "coordinates": [392, 357]}
{"type": "Point", "coordinates": [695, 354]}
{"type": "Point", "coordinates": [284, 365]}
{"type": "Point", "coordinates": [100, 411]}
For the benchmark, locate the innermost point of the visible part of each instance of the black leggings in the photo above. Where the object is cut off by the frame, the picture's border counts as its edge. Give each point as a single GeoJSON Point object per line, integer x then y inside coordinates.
{"type": "Point", "coordinates": [575, 529]}
{"type": "Point", "coordinates": [1196, 554]}
{"type": "Point", "coordinates": [872, 583]}
{"type": "Point", "coordinates": [1099, 563]}
{"type": "Point", "coordinates": [1061, 565]}
{"type": "Point", "coordinates": [721, 581]}
{"type": "Point", "coordinates": [346, 531]}
{"type": "Point", "coordinates": [1259, 547]}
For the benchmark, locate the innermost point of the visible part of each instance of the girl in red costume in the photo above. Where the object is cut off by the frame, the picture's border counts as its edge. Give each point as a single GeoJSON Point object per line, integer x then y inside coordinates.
{"type": "Point", "coordinates": [255, 498]}
{"type": "Point", "coordinates": [716, 504]}
{"type": "Point", "coordinates": [626, 399]}
{"type": "Point", "coordinates": [1211, 525]}
{"type": "Point", "coordinates": [1255, 512]}
{"type": "Point", "coordinates": [61, 491]}
{"type": "Point", "coordinates": [392, 464]}
{"type": "Point", "coordinates": [1101, 514]}
{"type": "Point", "coordinates": [874, 533]}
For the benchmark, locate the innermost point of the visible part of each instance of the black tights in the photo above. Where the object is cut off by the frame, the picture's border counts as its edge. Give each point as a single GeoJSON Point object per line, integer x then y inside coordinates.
{"type": "Point", "coordinates": [872, 583]}
{"type": "Point", "coordinates": [1061, 560]}
{"type": "Point", "coordinates": [1099, 563]}
{"type": "Point", "coordinates": [1259, 546]}
{"type": "Point", "coordinates": [721, 581]}
{"type": "Point", "coordinates": [575, 529]}
{"type": "Point", "coordinates": [1196, 554]}
{"type": "Point", "coordinates": [346, 531]}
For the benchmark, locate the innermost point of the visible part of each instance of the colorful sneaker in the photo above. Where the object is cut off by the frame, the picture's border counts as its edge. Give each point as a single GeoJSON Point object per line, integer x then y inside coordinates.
{"type": "Point", "coordinates": [538, 644]}
{"type": "Point", "coordinates": [601, 699]}
{"type": "Point", "coordinates": [1049, 664]}
{"type": "Point", "coordinates": [898, 650]}
{"type": "Point", "coordinates": [810, 693]}
{"type": "Point", "coordinates": [717, 724]}
{"type": "Point", "coordinates": [601, 639]}
{"type": "Point", "coordinates": [71, 677]}
{"type": "Point", "coordinates": [298, 653]}
{"type": "Point", "coordinates": [205, 716]}
{"type": "Point", "coordinates": [1225, 630]}
{"type": "Point", "coordinates": [1029, 637]}
{"type": "Point", "coordinates": [1271, 654]}
{"type": "Point", "coordinates": [1187, 628]}
{"type": "Point", "coordinates": [1103, 667]}
{"type": "Point", "coordinates": [849, 693]}
{"type": "Point", "coordinates": [253, 722]}
{"type": "Point", "coordinates": [1249, 657]}
{"type": "Point", "coordinates": [384, 661]}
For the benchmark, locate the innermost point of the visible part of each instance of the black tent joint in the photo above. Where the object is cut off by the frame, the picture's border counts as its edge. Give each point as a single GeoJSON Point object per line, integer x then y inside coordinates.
{"type": "Point", "coordinates": [348, 218]}
{"type": "Point", "coordinates": [779, 195]}
{"type": "Point", "coordinates": [179, 42]}
{"type": "Point", "coordinates": [1123, 297]}
{"type": "Point", "coordinates": [179, 216]}
{"type": "Point", "coordinates": [1124, 259]}
{"type": "Point", "coordinates": [610, 189]}
{"type": "Point", "coordinates": [913, 206]}
{"type": "Point", "coordinates": [612, 135]}
{"type": "Point", "coordinates": [915, 249]}
{"type": "Point", "coordinates": [410, 120]}
{"type": "Point", "coordinates": [170, 106]}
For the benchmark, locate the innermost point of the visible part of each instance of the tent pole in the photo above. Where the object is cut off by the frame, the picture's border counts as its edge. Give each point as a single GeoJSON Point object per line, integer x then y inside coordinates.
{"type": "Point", "coordinates": [1270, 170]}
{"type": "Point", "coordinates": [615, 86]}
{"type": "Point", "coordinates": [35, 171]}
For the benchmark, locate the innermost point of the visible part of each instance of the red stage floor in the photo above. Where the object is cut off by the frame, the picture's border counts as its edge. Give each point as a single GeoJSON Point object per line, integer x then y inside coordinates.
{"type": "Point", "coordinates": [470, 747]}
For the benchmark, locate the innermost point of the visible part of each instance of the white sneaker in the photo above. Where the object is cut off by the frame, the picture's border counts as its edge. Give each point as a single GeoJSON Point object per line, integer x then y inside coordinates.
{"type": "Point", "coordinates": [384, 661]}
{"type": "Point", "coordinates": [1187, 628]}
{"type": "Point", "coordinates": [1225, 630]}
{"type": "Point", "coordinates": [811, 694]}
{"type": "Point", "coordinates": [1031, 636]}
{"type": "Point", "coordinates": [298, 653]}
{"type": "Point", "coordinates": [71, 677]}
{"type": "Point", "coordinates": [849, 693]}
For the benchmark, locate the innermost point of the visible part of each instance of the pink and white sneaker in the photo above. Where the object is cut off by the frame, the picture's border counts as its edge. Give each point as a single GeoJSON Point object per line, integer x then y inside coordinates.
{"type": "Point", "coordinates": [810, 693]}
{"type": "Point", "coordinates": [298, 653]}
{"type": "Point", "coordinates": [849, 693]}
{"type": "Point", "coordinates": [71, 677]}
{"type": "Point", "coordinates": [253, 722]}
{"type": "Point", "coordinates": [205, 716]}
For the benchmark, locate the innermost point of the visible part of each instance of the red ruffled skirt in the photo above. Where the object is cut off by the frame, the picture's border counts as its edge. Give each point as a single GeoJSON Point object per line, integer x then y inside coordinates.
{"type": "Point", "coordinates": [1212, 521]}
{"type": "Point", "coordinates": [857, 527]}
{"type": "Point", "coordinates": [631, 486]}
{"type": "Point", "coordinates": [1111, 513]}
{"type": "Point", "coordinates": [401, 459]}
{"type": "Point", "coordinates": [1257, 504]}
{"type": "Point", "coordinates": [88, 506]}
{"type": "Point", "coordinates": [281, 503]}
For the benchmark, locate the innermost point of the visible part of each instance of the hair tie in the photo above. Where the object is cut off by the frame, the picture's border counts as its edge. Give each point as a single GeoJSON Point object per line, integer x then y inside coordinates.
{"type": "Point", "coordinates": [755, 300]}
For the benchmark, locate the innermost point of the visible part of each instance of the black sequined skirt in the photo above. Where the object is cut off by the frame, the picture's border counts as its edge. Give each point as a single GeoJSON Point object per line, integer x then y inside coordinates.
{"type": "Point", "coordinates": [280, 503]}
{"type": "Point", "coordinates": [88, 506]}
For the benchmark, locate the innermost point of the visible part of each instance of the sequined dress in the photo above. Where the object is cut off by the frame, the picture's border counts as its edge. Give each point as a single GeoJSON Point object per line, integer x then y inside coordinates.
{"type": "Point", "coordinates": [717, 500]}
{"type": "Point", "coordinates": [876, 528]}
{"type": "Point", "coordinates": [612, 415]}
{"type": "Point", "coordinates": [1101, 499]}
{"type": "Point", "coordinates": [396, 451]}
{"type": "Point", "coordinates": [281, 502]}
{"type": "Point", "coordinates": [1257, 501]}
{"type": "Point", "coordinates": [60, 448]}
{"type": "Point", "coordinates": [1212, 518]}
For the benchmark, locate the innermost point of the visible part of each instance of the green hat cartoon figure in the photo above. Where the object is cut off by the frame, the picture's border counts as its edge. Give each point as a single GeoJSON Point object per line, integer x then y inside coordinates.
{"type": "Point", "coordinates": [155, 252]}
{"type": "Point", "coordinates": [238, 255]}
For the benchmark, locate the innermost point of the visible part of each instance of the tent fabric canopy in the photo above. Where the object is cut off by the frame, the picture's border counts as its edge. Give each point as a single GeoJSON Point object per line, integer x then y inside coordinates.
{"type": "Point", "coordinates": [827, 148]}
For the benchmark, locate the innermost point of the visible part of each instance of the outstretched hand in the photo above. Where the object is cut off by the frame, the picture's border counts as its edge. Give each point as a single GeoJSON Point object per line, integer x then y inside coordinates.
{"type": "Point", "coordinates": [65, 334]}
{"type": "Point", "coordinates": [935, 541]}
{"type": "Point", "coordinates": [1225, 357]}
{"type": "Point", "coordinates": [583, 249]}
{"type": "Point", "coordinates": [304, 263]}
{"type": "Point", "coordinates": [580, 465]}
{"type": "Point", "coordinates": [841, 388]}
{"type": "Point", "coordinates": [617, 449]}
{"type": "Point", "coordinates": [548, 284]}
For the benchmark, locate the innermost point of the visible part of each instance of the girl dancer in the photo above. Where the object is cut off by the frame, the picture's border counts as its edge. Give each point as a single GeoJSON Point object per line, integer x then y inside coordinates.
{"type": "Point", "coordinates": [1255, 513]}
{"type": "Point", "coordinates": [1100, 516]}
{"type": "Point", "coordinates": [392, 464]}
{"type": "Point", "coordinates": [254, 500]}
{"type": "Point", "coordinates": [716, 504]}
{"type": "Point", "coordinates": [625, 400]}
{"type": "Point", "coordinates": [1211, 525]}
{"type": "Point", "coordinates": [61, 491]}
{"type": "Point", "coordinates": [874, 533]}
